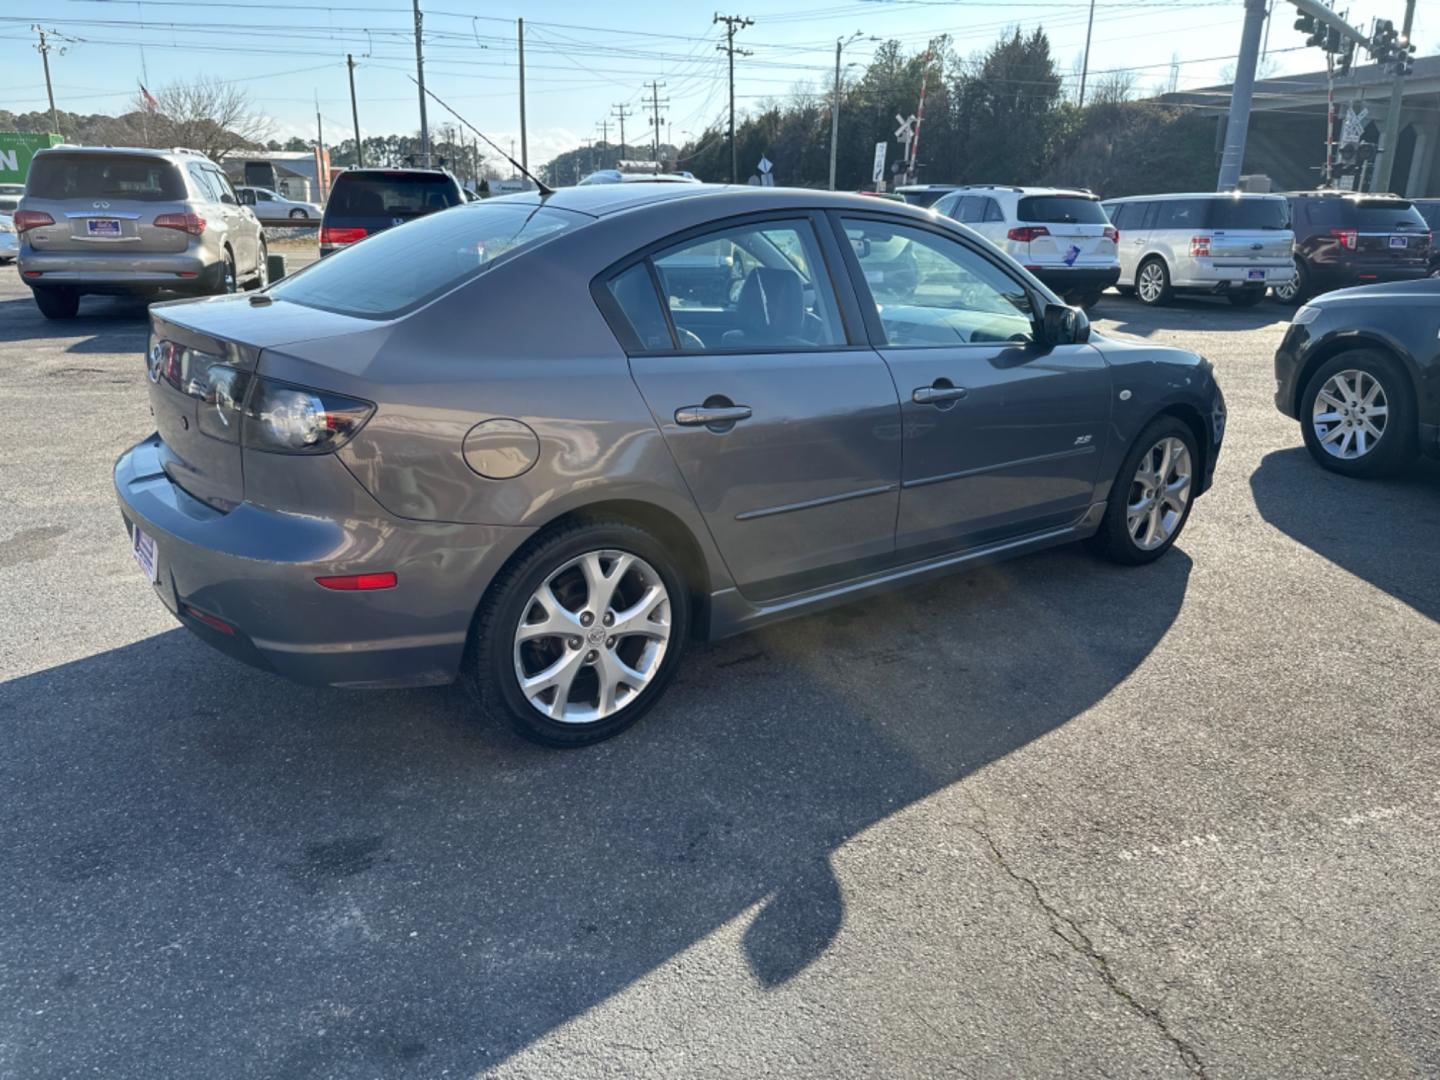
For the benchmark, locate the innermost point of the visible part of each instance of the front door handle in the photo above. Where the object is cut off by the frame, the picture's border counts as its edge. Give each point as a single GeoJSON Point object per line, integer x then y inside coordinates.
{"type": "Point", "coordinates": [704, 415]}
{"type": "Point", "coordinates": [935, 395]}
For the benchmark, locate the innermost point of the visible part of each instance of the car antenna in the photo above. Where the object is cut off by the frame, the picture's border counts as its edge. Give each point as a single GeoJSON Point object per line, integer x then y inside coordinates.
{"type": "Point", "coordinates": [545, 189]}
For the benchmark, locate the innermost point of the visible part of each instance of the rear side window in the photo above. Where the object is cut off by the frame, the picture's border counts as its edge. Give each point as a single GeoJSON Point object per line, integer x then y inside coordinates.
{"type": "Point", "coordinates": [1183, 214]}
{"type": "Point", "coordinates": [1249, 214]}
{"type": "Point", "coordinates": [992, 211]}
{"type": "Point", "coordinates": [391, 195]}
{"type": "Point", "coordinates": [1323, 212]}
{"type": "Point", "coordinates": [1062, 210]}
{"type": "Point", "coordinates": [399, 269]}
{"type": "Point", "coordinates": [104, 176]}
{"type": "Point", "coordinates": [204, 183]}
{"type": "Point", "coordinates": [635, 292]}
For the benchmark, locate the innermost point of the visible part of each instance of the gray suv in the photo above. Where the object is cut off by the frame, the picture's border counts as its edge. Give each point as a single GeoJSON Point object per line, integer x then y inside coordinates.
{"type": "Point", "coordinates": [132, 221]}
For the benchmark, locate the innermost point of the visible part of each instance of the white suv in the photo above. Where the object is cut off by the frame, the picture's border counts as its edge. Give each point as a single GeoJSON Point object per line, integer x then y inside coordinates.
{"type": "Point", "coordinates": [1061, 235]}
{"type": "Point", "coordinates": [1232, 245]}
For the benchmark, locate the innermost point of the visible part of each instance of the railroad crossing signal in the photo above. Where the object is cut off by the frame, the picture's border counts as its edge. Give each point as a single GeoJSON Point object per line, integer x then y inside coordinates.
{"type": "Point", "coordinates": [906, 131]}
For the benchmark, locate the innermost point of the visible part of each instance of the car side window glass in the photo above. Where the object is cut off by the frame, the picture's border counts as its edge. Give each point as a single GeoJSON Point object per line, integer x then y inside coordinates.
{"type": "Point", "coordinates": [204, 187]}
{"type": "Point", "coordinates": [221, 183]}
{"type": "Point", "coordinates": [930, 290]}
{"type": "Point", "coordinates": [1121, 215]}
{"type": "Point", "coordinates": [264, 196]}
{"type": "Point", "coordinates": [992, 211]}
{"type": "Point", "coordinates": [1152, 211]}
{"type": "Point", "coordinates": [634, 292]}
{"type": "Point", "coordinates": [1183, 214]}
{"type": "Point", "coordinates": [760, 286]}
{"type": "Point", "coordinates": [965, 209]}
{"type": "Point", "coordinates": [948, 206]}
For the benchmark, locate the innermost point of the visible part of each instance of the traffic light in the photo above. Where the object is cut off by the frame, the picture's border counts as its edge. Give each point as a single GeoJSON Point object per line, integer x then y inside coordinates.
{"type": "Point", "coordinates": [1305, 24]}
{"type": "Point", "coordinates": [1332, 40]}
{"type": "Point", "coordinates": [1347, 59]}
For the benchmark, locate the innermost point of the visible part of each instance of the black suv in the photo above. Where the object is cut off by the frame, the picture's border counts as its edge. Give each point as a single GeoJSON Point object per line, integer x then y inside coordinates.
{"type": "Point", "coordinates": [1430, 211]}
{"type": "Point", "coordinates": [1343, 239]}
{"type": "Point", "coordinates": [365, 201]}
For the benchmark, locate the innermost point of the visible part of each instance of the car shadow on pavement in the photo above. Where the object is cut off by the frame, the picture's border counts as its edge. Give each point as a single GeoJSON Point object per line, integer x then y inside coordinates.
{"type": "Point", "coordinates": [206, 870]}
{"type": "Point", "coordinates": [117, 318]}
{"type": "Point", "coordinates": [1210, 313]}
{"type": "Point", "coordinates": [1336, 517]}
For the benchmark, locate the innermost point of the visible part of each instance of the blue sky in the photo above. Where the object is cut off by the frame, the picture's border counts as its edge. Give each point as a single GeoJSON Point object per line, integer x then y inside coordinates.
{"type": "Point", "coordinates": [582, 59]}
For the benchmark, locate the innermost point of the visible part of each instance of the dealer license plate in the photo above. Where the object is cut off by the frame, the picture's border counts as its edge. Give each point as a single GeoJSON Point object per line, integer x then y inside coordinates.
{"type": "Point", "coordinates": [1399, 241]}
{"type": "Point", "coordinates": [102, 227]}
{"type": "Point", "coordinates": [1257, 275]}
{"type": "Point", "coordinates": [143, 548]}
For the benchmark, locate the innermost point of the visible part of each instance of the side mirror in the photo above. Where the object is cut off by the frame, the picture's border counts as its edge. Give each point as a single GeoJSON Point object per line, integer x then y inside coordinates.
{"type": "Point", "coordinates": [247, 198]}
{"type": "Point", "coordinates": [1065, 325]}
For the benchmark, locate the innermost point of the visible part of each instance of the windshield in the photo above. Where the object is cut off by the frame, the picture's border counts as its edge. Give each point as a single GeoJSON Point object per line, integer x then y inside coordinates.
{"type": "Point", "coordinates": [1062, 210]}
{"type": "Point", "coordinates": [924, 197]}
{"type": "Point", "coordinates": [104, 176]}
{"type": "Point", "coordinates": [402, 268]}
{"type": "Point", "coordinates": [392, 195]}
{"type": "Point", "coordinates": [1249, 214]}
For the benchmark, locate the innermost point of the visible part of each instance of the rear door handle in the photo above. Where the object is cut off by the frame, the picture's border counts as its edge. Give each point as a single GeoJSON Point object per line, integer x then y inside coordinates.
{"type": "Point", "coordinates": [933, 395]}
{"type": "Point", "coordinates": [702, 415]}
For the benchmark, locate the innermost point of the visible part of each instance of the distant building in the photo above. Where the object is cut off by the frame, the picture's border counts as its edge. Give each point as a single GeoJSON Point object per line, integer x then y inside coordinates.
{"type": "Point", "coordinates": [299, 174]}
{"type": "Point", "coordinates": [1286, 140]}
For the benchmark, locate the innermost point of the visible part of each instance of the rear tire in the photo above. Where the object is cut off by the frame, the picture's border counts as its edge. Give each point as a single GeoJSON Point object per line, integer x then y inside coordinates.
{"type": "Point", "coordinates": [262, 269]}
{"type": "Point", "coordinates": [1296, 290]}
{"type": "Point", "coordinates": [298, 215]}
{"type": "Point", "coordinates": [504, 646]}
{"type": "Point", "coordinates": [57, 303]}
{"type": "Point", "coordinates": [1152, 282]}
{"type": "Point", "coordinates": [1134, 489]}
{"type": "Point", "coordinates": [1246, 297]}
{"type": "Point", "coordinates": [1329, 440]}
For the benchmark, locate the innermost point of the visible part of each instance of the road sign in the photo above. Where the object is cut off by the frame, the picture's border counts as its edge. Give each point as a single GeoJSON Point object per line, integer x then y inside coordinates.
{"type": "Point", "coordinates": [1353, 130]}
{"type": "Point", "coordinates": [878, 173]}
{"type": "Point", "coordinates": [765, 166]}
{"type": "Point", "coordinates": [906, 131]}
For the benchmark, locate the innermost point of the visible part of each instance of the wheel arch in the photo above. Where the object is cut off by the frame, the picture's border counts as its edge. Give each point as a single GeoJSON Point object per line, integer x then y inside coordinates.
{"type": "Point", "coordinates": [1191, 417]}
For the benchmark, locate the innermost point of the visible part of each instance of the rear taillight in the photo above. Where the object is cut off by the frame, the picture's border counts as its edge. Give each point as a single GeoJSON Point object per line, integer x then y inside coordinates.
{"type": "Point", "coordinates": [1349, 238]}
{"type": "Point", "coordinates": [1112, 234]}
{"type": "Point", "coordinates": [1023, 234]}
{"type": "Point", "coordinates": [295, 420]}
{"type": "Point", "coordinates": [1199, 247]}
{"type": "Point", "coordinates": [331, 234]}
{"type": "Point", "coordinates": [26, 220]}
{"type": "Point", "coordinates": [193, 224]}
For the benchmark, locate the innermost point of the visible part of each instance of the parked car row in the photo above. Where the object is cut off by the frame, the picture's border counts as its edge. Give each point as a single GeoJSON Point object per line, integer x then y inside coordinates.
{"type": "Point", "coordinates": [1240, 246]}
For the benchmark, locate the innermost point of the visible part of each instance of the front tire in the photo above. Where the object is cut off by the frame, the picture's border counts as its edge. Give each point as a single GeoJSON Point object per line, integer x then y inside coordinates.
{"type": "Point", "coordinates": [227, 283]}
{"type": "Point", "coordinates": [57, 303]}
{"type": "Point", "coordinates": [298, 215]}
{"type": "Point", "coordinates": [1151, 498]}
{"type": "Point", "coordinates": [1357, 414]}
{"type": "Point", "coordinates": [579, 636]}
{"type": "Point", "coordinates": [1152, 282]}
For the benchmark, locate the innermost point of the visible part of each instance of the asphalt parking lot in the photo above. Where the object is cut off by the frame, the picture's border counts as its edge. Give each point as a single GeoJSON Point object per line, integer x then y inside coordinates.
{"type": "Point", "coordinates": [1053, 818]}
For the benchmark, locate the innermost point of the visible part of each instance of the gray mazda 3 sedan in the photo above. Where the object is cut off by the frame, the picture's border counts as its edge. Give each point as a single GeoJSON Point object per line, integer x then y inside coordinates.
{"type": "Point", "coordinates": [541, 442]}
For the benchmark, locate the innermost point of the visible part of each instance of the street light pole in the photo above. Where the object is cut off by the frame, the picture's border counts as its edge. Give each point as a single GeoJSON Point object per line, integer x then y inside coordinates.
{"type": "Point", "coordinates": [1232, 158]}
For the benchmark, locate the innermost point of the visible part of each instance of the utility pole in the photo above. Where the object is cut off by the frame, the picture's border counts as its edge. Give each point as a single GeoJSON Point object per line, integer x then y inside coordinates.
{"type": "Point", "coordinates": [1232, 158]}
{"type": "Point", "coordinates": [44, 48]}
{"type": "Point", "coordinates": [1389, 138]}
{"type": "Point", "coordinates": [420, 78]}
{"type": "Point", "coordinates": [840, 44]}
{"type": "Point", "coordinates": [732, 24]}
{"type": "Point", "coordinates": [524, 140]}
{"type": "Point", "coordinates": [1085, 63]}
{"type": "Point", "coordinates": [655, 120]}
{"type": "Point", "coordinates": [620, 111]}
{"type": "Point", "coordinates": [319, 149]}
{"type": "Point", "coordinates": [355, 114]}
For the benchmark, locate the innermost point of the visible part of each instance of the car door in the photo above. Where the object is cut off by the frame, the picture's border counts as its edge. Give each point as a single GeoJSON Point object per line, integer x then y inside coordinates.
{"type": "Point", "coordinates": [787, 433]}
{"type": "Point", "coordinates": [1130, 219]}
{"type": "Point", "coordinates": [1002, 432]}
{"type": "Point", "coordinates": [244, 224]}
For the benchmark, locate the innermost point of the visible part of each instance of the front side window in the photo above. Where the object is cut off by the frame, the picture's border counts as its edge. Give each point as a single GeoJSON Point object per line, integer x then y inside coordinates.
{"type": "Point", "coordinates": [760, 286]}
{"type": "Point", "coordinates": [930, 290]}
{"type": "Point", "coordinates": [204, 186]}
{"type": "Point", "coordinates": [220, 183]}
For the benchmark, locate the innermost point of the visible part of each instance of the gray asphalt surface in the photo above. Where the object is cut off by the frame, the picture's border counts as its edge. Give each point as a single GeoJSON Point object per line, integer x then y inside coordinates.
{"type": "Point", "coordinates": [1052, 819]}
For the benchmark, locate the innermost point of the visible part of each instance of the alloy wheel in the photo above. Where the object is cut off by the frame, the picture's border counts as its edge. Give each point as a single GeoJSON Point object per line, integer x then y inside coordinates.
{"type": "Point", "coordinates": [1159, 493]}
{"type": "Point", "coordinates": [1288, 290]}
{"type": "Point", "coordinates": [1350, 414]}
{"type": "Point", "coordinates": [1151, 284]}
{"type": "Point", "coordinates": [592, 637]}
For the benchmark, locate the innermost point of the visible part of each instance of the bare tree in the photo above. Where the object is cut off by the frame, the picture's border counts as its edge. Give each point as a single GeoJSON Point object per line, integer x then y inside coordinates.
{"type": "Point", "coordinates": [1115, 88]}
{"type": "Point", "coordinates": [208, 115]}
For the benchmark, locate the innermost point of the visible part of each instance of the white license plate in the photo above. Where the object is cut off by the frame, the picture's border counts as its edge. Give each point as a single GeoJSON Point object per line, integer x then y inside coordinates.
{"type": "Point", "coordinates": [1257, 275]}
{"type": "Point", "coordinates": [143, 548]}
{"type": "Point", "coordinates": [1399, 241]}
{"type": "Point", "coordinates": [102, 227]}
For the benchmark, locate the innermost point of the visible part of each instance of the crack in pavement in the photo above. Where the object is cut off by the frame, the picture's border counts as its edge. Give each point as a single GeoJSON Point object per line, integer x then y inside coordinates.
{"type": "Point", "coordinates": [1080, 942]}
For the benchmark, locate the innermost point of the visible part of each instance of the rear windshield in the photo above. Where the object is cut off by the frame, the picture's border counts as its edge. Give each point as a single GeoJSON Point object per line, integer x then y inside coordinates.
{"type": "Point", "coordinates": [1380, 215]}
{"type": "Point", "coordinates": [103, 176]}
{"type": "Point", "coordinates": [1249, 214]}
{"type": "Point", "coordinates": [393, 271]}
{"type": "Point", "coordinates": [391, 195]}
{"type": "Point", "coordinates": [923, 198]}
{"type": "Point", "coordinates": [1062, 210]}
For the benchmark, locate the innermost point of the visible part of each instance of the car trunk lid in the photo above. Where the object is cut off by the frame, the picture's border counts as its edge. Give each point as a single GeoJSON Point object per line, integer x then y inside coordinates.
{"type": "Point", "coordinates": [1389, 233]}
{"type": "Point", "coordinates": [105, 202]}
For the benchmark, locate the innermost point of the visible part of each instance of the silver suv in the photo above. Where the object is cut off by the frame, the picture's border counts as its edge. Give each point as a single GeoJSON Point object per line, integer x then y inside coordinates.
{"type": "Point", "coordinates": [126, 220]}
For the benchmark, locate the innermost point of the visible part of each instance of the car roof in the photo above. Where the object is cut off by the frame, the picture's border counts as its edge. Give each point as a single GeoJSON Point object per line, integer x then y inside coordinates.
{"type": "Point", "coordinates": [927, 187]}
{"type": "Point", "coordinates": [439, 174]}
{"type": "Point", "coordinates": [601, 200]}
{"type": "Point", "coordinates": [1379, 196]}
{"type": "Point", "coordinates": [1017, 189]}
{"type": "Point", "coordinates": [178, 153]}
{"type": "Point", "coordinates": [1198, 195]}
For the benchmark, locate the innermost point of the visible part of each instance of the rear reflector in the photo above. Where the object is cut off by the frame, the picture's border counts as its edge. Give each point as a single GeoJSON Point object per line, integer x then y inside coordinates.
{"type": "Point", "coordinates": [33, 273]}
{"type": "Point", "coordinates": [193, 224]}
{"type": "Point", "coordinates": [31, 219]}
{"type": "Point", "coordinates": [342, 235]}
{"type": "Point", "coordinates": [359, 582]}
{"type": "Point", "coordinates": [186, 273]}
{"type": "Point", "coordinates": [212, 621]}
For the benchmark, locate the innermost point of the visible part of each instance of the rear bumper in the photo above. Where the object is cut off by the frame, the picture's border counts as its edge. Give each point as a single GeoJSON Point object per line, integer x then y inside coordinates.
{"type": "Point", "coordinates": [1073, 279]}
{"type": "Point", "coordinates": [118, 271]}
{"type": "Point", "coordinates": [1221, 276]}
{"type": "Point", "coordinates": [1328, 278]}
{"type": "Point", "coordinates": [254, 570]}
